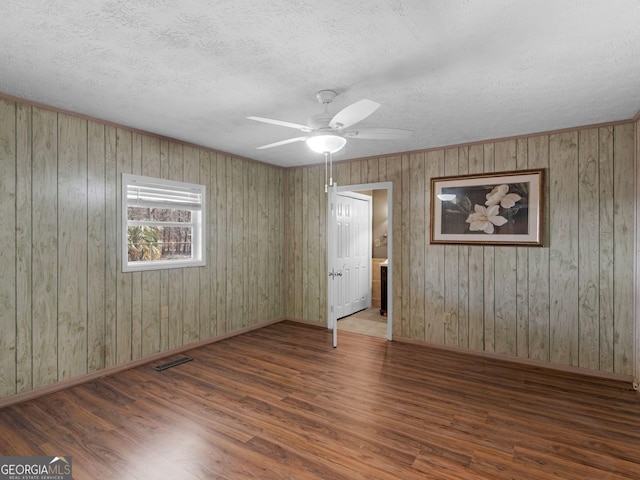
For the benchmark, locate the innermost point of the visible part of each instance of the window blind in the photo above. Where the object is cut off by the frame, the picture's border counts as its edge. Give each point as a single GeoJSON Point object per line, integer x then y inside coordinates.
{"type": "Point", "coordinates": [148, 194]}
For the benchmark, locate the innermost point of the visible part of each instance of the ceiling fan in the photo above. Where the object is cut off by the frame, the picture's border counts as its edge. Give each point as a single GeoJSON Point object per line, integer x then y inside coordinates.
{"type": "Point", "coordinates": [327, 133]}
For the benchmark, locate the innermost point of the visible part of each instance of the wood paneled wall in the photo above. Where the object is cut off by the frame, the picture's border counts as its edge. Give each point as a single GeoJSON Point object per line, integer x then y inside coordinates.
{"type": "Point", "coordinates": [568, 303]}
{"type": "Point", "coordinates": [66, 308]}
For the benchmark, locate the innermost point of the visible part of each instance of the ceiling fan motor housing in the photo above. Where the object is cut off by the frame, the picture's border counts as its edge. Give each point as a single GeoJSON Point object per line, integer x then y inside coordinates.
{"type": "Point", "coordinates": [320, 121]}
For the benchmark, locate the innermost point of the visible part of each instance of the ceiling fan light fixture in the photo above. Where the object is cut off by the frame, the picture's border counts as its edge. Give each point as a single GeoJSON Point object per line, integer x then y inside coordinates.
{"type": "Point", "coordinates": [326, 143]}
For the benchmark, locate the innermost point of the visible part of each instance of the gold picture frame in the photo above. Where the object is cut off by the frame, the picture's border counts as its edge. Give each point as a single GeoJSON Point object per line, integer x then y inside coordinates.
{"type": "Point", "coordinates": [502, 208]}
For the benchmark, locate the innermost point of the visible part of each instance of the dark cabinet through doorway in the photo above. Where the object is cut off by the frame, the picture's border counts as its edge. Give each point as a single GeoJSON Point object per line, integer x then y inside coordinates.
{"type": "Point", "coordinates": [383, 288]}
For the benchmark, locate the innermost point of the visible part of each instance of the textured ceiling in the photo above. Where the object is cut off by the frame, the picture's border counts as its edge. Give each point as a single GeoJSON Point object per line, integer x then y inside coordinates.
{"type": "Point", "coordinates": [451, 71]}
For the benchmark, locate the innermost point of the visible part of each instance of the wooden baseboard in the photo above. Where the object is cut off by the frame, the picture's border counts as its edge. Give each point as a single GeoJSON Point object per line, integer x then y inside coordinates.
{"type": "Point", "coordinates": [523, 361]}
{"type": "Point", "coordinates": [39, 392]}
{"type": "Point", "coordinates": [307, 322]}
{"type": "Point", "coordinates": [55, 387]}
{"type": "Point", "coordinates": [498, 356]}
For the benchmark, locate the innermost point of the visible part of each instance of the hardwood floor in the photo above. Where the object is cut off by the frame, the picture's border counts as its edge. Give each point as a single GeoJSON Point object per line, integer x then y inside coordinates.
{"type": "Point", "coordinates": [281, 403]}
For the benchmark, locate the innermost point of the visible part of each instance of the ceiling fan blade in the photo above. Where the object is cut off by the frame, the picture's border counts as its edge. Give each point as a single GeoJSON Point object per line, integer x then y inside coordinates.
{"type": "Point", "coordinates": [283, 142]}
{"type": "Point", "coordinates": [353, 114]}
{"type": "Point", "coordinates": [297, 126]}
{"type": "Point", "coordinates": [378, 133]}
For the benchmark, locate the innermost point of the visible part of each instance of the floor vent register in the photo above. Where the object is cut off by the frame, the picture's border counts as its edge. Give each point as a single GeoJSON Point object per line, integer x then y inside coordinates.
{"type": "Point", "coordinates": [172, 363]}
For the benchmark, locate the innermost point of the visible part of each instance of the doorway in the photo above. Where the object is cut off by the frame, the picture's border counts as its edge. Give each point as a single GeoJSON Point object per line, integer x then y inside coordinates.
{"type": "Point", "coordinates": [374, 238]}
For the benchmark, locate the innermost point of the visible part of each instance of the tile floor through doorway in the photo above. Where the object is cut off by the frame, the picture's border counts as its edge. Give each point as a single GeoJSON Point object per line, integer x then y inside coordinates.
{"type": "Point", "coordinates": [367, 322]}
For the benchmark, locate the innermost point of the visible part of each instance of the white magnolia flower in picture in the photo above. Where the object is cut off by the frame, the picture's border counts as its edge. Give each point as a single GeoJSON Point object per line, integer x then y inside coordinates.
{"type": "Point", "coordinates": [499, 195]}
{"type": "Point", "coordinates": [484, 219]}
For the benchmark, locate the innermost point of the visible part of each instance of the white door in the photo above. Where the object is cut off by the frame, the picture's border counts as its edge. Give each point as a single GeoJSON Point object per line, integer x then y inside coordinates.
{"type": "Point", "coordinates": [352, 284]}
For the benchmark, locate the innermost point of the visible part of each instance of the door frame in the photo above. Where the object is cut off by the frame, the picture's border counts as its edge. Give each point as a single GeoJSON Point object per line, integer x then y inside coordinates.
{"type": "Point", "coordinates": [331, 245]}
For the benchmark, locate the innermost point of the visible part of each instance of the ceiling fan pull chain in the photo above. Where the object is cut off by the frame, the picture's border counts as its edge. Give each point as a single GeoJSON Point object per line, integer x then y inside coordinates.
{"type": "Point", "coordinates": [326, 188]}
{"type": "Point", "coordinates": [330, 168]}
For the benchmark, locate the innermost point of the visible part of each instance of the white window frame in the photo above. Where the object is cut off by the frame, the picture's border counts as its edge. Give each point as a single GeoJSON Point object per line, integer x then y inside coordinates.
{"type": "Point", "coordinates": [185, 196]}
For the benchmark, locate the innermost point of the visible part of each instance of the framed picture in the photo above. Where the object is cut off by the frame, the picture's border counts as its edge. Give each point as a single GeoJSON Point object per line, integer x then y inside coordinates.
{"type": "Point", "coordinates": [504, 208]}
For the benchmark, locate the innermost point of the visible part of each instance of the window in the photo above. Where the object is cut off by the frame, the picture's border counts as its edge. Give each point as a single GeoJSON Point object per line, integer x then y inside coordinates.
{"type": "Point", "coordinates": [161, 223]}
